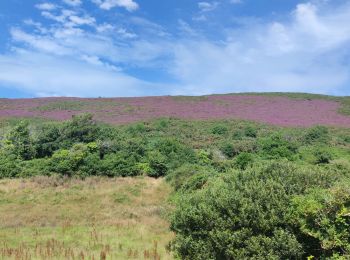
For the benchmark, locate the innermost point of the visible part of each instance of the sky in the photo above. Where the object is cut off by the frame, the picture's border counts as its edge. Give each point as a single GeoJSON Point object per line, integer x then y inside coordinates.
{"type": "Point", "coordinates": [105, 48]}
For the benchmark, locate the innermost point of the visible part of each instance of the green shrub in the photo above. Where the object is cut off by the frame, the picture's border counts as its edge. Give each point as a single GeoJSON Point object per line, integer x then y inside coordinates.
{"type": "Point", "coordinates": [9, 166]}
{"type": "Point", "coordinates": [323, 155]}
{"type": "Point", "coordinates": [317, 134]}
{"type": "Point", "coordinates": [243, 160]}
{"type": "Point", "coordinates": [219, 130]}
{"type": "Point", "coordinates": [81, 129]}
{"type": "Point", "coordinates": [157, 164]}
{"type": "Point", "coordinates": [47, 140]}
{"type": "Point", "coordinates": [180, 177]}
{"type": "Point", "coordinates": [324, 218]}
{"type": "Point", "coordinates": [247, 215]}
{"type": "Point", "coordinates": [20, 141]}
{"type": "Point", "coordinates": [250, 131]}
{"type": "Point", "coordinates": [276, 146]}
{"type": "Point", "coordinates": [228, 150]}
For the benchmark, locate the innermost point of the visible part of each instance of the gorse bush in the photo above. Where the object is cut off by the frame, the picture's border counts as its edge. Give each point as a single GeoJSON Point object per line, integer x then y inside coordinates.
{"type": "Point", "coordinates": [317, 134]}
{"type": "Point", "coordinates": [255, 214]}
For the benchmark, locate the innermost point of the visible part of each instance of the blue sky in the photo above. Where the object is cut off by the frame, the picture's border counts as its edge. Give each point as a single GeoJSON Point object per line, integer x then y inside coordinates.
{"type": "Point", "coordinates": [93, 48]}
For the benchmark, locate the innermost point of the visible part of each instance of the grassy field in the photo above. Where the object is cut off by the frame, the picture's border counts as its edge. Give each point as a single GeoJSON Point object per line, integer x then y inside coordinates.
{"type": "Point", "coordinates": [96, 218]}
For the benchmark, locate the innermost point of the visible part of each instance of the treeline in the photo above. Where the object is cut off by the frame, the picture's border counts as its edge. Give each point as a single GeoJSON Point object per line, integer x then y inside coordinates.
{"type": "Point", "coordinates": [241, 190]}
{"type": "Point", "coordinates": [81, 147]}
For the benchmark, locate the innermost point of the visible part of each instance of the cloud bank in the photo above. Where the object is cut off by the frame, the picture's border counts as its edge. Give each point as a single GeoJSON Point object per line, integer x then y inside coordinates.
{"type": "Point", "coordinates": [78, 54]}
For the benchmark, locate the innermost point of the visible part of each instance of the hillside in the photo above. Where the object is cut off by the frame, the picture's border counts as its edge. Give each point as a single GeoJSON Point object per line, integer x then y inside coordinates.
{"type": "Point", "coordinates": [118, 182]}
{"type": "Point", "coordinates": [279, 109]}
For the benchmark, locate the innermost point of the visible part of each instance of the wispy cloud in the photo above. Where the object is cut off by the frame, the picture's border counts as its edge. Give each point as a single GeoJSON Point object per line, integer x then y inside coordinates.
{"type": "Point", "coordinates": [73, 2]}
{"type": "Point", "coordinates": [207, 6]}
{"type": "Point", "coordinates": [307, 53]}
{"type": "Point", "coordinates": [46, 6]}
{"type": "Point", "coordinates": [129, 5]}
{"type": "Point", "coordinates": [75, 53]}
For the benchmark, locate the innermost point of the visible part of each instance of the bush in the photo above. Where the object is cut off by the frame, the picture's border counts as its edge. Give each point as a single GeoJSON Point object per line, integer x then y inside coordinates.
{"type": "Point", "coordinates": [20, 141]}
{"type": "Point", "coordinates": [119, 164]}
{"type": "Point", "coordinates": [228, 150]}
{"type": "Point", "coordinates": [276, 146]}
{"type": "Point", "coordinates": [219, 130]}
{"type": "Point", "coordinates": [81, 129]}
{"type": "Point", "coordinates": [243, 160]}
{"type": "Point", "coordinates": [317, 134]}
{"type": "Point", "coordinates": [250, 131]}
{"type": "Point", "coordinates": [324, 218]}
{"type": "Point", "coordinates": [249, 215]}
{"type": "Point", "coordinates": [181, 176]}
{"type": "Point", "coordinates": [47, 140]}
{"type": "Point", "coordinates": [9, 166]}
{"type": "Point", "coordinates": [157, 164]}
{"type": "Point", "coordinates": [174, 152]}
{"type": "Point", "coordinates": [323, 156]}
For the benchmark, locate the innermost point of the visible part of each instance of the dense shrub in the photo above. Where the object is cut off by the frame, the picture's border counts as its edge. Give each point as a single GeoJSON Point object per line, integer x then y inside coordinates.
{"type": "Point", "coordinates": [158, 165]}
{"type": "Point", "coordinates": [243, 160]}
{"type": "Point", "coordinates": [323, 155]}
{"type": "Point", "coordinates": [47, 140]}
{"type": "Point", "coordinates": [20, 141]}
{"type": "Point", "coordinates": [317, 134]}
{"type": "Point", "coordinates": [276, 146]}
{"type": "Point", "coordinates": [9, 166]}
{"type": "Point", "coordinates": [219, 130]}
{"type": "Point", "coordinates": [228, 150]}
{"type": "Point", "coordinates": [181, 176]}
{"type": "Point", "coordinates": [249, 215]}
{"type": "Point", "coordinates": [81, 129]}
{"type": "Point", "coordinates": [250, 131]}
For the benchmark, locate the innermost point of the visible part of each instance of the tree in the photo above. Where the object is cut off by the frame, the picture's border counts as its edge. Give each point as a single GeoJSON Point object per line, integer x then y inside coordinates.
{"type": "Point", "coordinates": [20, 140]}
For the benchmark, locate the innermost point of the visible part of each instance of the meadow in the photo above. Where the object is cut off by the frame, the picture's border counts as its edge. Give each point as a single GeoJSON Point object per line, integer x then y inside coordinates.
{"type": "Point", "coordinates": [273, 185]}
{"type": "Point", "coordinates": [95, 218]}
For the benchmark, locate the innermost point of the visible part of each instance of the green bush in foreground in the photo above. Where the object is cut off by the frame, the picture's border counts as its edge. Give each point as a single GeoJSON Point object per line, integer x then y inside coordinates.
{"type": "Point", "coordinates": [261, 214]}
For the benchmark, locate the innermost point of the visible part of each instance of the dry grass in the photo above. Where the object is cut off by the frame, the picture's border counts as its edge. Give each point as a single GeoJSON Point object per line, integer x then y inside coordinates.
{"type": "Point", "coordinates": [98, 218]}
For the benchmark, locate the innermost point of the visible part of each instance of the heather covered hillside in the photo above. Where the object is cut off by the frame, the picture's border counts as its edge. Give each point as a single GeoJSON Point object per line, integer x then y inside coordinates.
{"type": "Point", "coordinates": [272, 108]}
{"type": "Point", "coordinates": [189, 179]}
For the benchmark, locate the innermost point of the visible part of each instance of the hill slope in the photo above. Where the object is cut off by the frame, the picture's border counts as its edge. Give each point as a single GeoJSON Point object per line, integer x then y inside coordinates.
{"type": "Point", "coordinates": [272, 108]}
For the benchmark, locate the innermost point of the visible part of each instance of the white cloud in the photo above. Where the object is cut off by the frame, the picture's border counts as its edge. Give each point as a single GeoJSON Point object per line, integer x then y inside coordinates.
{"type": "Point", "coordinates": [129, 5]}
{"type": "Point", "coordinates": [306, 54]}
{"type": "Point", "coordinates": [207, 7]}
{"type": "Point", "coordinates": [77, 20]}
{"type": "Point", "coordinates": [53, 76]}
{"type": "Point", "coordinates": [236, 1]}
{"type": "Point", "coordinates": [46, 6]}
{"type": "Point", "coordinates": [73, 2]}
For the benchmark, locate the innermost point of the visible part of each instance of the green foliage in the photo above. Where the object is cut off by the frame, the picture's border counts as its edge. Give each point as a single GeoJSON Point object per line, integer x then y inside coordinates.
{"type": "Point", "coordinates": [228, 150]}
{"type": "Point", "coordinates": [192, 176]}
{"type": "Point", "coordinates": [237, 196]}
{"type": "Point", "coordinates": [323, 216]}
{"type": "Point", "coordinates": [246, 215]}
{"type": "Point", "coordinates": [219, 130]}
{"type": "Point", "coordinates": [157, 164]}
{"type": "Point", "coordinates": [9, 166]}
{"type": "Point", "coordinates": [47, 140]}
{"type": "Point", "coordinates": [20, 141]}
{"type": "Point", "coordinates": [250, 131]}
{"type": "Point", "coordinates": [323, 155]}
{"type": "Point", "coordinates": [81, 128]}
{"type": "Point", "coordinates": [243, 160]}
{"type": "Point", "coordinates": [276, 146]}
{"type": "Point", "coordinates": [317, 134]}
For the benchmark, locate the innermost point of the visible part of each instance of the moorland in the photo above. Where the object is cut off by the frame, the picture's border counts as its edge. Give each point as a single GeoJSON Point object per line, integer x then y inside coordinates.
{"type": "Point", "coordinates": [248, 176]}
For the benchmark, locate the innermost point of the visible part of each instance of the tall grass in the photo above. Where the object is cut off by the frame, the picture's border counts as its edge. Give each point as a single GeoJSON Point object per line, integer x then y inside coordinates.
{"type": "Point", "coordinates": [53, 218]}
